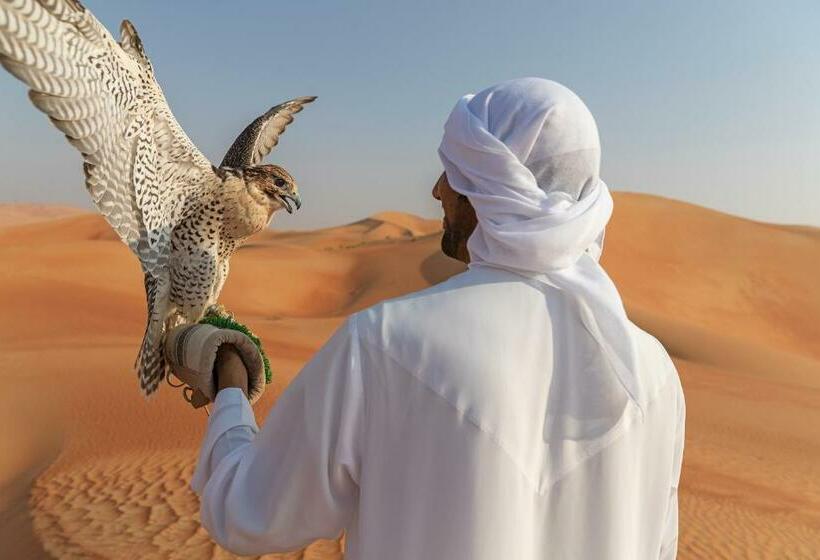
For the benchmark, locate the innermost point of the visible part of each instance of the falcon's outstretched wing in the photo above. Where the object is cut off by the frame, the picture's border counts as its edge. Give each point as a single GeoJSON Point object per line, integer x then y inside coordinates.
{"type": "Point", "coordinates": [140, 166]}
{"type": "Point", "coordinates": [262, 135]}
{"type": "Point", "coordinates": [142, 171]}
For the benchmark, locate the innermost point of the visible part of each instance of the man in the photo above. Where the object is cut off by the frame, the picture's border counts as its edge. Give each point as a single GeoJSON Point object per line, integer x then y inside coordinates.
{"type": "Point", "coordinates": [512, 411]}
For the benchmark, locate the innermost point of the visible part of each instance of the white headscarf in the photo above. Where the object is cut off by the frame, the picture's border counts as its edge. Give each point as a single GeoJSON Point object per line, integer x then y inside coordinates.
{"type": "Point", "coordinates": [527, 155]}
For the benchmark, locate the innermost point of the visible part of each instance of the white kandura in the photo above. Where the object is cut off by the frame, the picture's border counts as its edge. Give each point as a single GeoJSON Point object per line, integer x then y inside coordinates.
{"type": "Point", "coordinates": [512, 411]}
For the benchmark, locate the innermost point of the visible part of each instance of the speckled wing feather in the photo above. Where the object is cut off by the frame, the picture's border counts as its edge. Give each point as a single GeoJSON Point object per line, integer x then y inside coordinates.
{"type": "Point", "coordinates": [142, 171]}
{"type": "Point", "coordinates": [262, 135]}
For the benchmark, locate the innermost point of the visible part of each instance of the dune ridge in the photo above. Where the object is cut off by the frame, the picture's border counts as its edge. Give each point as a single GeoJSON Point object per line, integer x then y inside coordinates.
{"type": "Point", "coordinates": [19, 213]}
{"type": "Point", "coordinates": [92, 470]}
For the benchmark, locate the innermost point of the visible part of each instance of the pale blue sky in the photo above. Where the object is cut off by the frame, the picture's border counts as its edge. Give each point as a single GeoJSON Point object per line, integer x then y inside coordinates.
{"type": "Point", "coordinates": [716, 103]}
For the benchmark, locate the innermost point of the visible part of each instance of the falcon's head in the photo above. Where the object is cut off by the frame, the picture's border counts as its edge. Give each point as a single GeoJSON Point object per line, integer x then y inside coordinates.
{"type": "Point", "coordinates": [276, 184]}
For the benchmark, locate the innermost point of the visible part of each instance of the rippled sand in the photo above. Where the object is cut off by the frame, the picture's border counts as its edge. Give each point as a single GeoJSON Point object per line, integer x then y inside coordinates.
{"type": "Point", "coordinates": [90, 469]}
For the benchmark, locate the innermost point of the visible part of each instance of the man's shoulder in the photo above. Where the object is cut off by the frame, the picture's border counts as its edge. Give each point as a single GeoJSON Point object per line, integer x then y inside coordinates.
{"type": "Point", "coordinates": [654, 362]}
{"type": "Point", "coordinates": [409, 312]}
{"type": "Point", "coordinates": [477, 300]}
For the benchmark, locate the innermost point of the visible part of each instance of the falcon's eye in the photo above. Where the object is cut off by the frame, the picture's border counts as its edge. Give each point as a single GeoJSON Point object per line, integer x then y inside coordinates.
{"type": "Point", "coordinates": [279, 182]}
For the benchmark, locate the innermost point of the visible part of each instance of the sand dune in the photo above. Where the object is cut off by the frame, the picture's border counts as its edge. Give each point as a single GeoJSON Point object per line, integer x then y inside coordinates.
{"type": "Point", "coordinates": [16, 214]}
{"type": "Point", "coordinates": [89, 469]}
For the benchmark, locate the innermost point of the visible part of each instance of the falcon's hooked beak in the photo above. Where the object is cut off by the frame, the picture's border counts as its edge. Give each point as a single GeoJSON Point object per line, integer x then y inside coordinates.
{"type": "Point", "coordinates": [287, 199]}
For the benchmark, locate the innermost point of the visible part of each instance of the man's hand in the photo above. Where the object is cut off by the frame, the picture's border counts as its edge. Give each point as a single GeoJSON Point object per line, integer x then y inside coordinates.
{"type": "Point", "coordinates": [229, 369]}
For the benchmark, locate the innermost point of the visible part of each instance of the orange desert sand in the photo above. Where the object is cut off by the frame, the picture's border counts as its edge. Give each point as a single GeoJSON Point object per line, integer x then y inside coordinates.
{"type": "Point", "coordinates": [90, 469]}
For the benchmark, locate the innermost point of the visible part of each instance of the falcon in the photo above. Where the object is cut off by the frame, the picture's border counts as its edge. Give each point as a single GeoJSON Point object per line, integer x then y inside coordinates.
{"type": "Point", "coordinates": [182, 216]}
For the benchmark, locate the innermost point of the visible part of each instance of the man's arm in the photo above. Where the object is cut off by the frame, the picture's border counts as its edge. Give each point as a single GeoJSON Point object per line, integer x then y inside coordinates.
{"type": "Point", "coordinates": [296, 479]}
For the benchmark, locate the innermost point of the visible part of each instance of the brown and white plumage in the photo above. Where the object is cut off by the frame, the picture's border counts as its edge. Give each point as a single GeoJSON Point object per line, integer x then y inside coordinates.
{"type": "Point", "coordinates": [180, 215]}
{"type": "Point", "coordinates": [262, 135]}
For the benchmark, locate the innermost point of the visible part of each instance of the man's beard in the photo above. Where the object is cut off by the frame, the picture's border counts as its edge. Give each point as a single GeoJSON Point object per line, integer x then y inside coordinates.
{"type": "Point", "coordinates": [450, 242]}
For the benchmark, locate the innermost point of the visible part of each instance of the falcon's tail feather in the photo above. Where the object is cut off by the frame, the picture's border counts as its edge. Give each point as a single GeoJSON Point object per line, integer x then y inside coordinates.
{"type": "Point", "coordinates": [150, 364]}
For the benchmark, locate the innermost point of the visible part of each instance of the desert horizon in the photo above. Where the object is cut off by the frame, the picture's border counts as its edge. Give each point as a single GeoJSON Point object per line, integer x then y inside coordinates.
{"type": "Point", "coordinates": [89, 468]}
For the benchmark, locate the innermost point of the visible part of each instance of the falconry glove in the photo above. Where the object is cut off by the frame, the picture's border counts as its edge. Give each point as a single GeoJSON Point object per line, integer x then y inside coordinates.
{"type": "Point", "coordinates": [191, 350]}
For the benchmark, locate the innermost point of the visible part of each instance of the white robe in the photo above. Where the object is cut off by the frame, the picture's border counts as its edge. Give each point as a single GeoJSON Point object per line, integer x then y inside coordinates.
{"type": "Point", "coordinates": [460, 422]}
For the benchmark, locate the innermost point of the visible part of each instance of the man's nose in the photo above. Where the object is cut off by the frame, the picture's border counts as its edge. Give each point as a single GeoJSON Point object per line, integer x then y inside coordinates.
{"type": "Point", "coordinates": [435, 191]}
